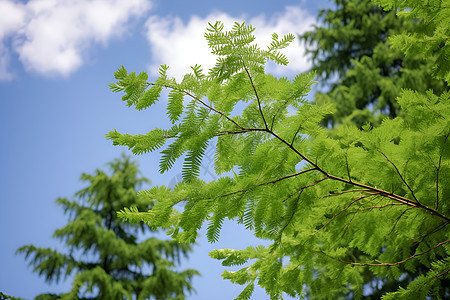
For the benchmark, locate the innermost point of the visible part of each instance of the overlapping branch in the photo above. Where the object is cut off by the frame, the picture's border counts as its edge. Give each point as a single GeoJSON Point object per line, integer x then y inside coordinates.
{"type": "Point", "coordinates": [314, 165]}
{"type": "Point", "coordinates": [379, 263]}
{"type": "Point", "coordinates": [242, 130]}
{"type": "Point", "coordinates": [344, 209]}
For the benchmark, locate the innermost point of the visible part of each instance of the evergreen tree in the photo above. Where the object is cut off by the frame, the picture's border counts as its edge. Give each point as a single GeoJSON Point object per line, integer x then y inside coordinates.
{"type": "Point", "coordinates": [7, 297]}
{"type": "Point", "coordinates": [105, 254]}
{"type": "Point", "coordinates": [351, 54]}
{"type": "Point", "coordinates": [381, 192]}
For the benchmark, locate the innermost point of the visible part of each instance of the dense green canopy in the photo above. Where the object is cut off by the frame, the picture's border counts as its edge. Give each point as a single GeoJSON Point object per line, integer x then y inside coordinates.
{"type": "Point", "coordinates": [358, 68]}
{"type": "Point", "coordinates": [371, 200]}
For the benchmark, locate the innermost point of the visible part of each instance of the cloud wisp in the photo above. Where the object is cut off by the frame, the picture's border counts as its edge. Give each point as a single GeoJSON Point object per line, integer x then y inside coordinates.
{"type": "Point", "coordinates": [182, 45]}
{"type": "Point", "coordinates": [12, 18]}
{"type": "Point", "coordinates": [53, 37]}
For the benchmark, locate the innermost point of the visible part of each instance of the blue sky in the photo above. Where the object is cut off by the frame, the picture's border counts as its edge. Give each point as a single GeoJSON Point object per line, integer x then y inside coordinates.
{"type": "Point", "coordinates": [56, 60]}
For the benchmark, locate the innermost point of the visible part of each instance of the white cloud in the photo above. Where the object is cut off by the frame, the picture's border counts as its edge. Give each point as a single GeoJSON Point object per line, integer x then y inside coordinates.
{"type": "Point", "coordinates": [12, 17]}
{"type": "Point", "coordinates": [52, 37]}
{"type": "Point", "coordinates": [182, 45]}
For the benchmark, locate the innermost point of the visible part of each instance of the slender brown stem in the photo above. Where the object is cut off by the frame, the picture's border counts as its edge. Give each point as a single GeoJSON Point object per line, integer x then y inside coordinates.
{"type": "Point", "coordinates": [345, 192]}
{"type": "Point", "coordinates": [314, 165]}
{"type": "Point", "coordinates": [399, 174]}
{"type": "Point", "coordinates": [346, 164]}
{"type": "Point", "coordinates": [274, 181]}
{"type": "Point", "coordinates": [202, 102]}
{"type": "Point", "coordinates": [437, 174]}
{"type": "Point", "coordinates": [439, 275]}
{"type": "Point", "coordinates": [386, 264]}
{"type": "Point", "coordinates": [256, 95]}
{"type": "Point", "coordinates": [381, 206]}
{"type": "Point", "coordinates": [342, 210]}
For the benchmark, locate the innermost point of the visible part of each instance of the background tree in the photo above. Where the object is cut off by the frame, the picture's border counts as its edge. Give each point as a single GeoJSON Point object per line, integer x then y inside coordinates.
{"type": "Point", "coordinates": [7, 297]}
{"type": "Point", "coordinates": [105, 253]}
{"type": "Point", "coordinates": [382, 192]}
{"type": "Point", "coordinates": [356, 66]}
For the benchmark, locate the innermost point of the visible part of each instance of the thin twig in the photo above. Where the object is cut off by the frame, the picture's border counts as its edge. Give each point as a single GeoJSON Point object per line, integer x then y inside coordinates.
{"type": "Point", "coordinates": [201, 101]}
{"type": "Point", "coordinates": [243, 130]}
{"type": "Point", "coordinates": [386, 264]}
{"type": "Point", "coordinates": [346, 163]}
{"type": "Point", "coordinates": [439, 275]}
{"type": "Point", "coordinates": [301, 125]}
{"type": "Point", "coordinates": [354, 214]}
{"type": "Point", "coordinates": [278, 111]}
{"type": "Point", "coordinates": [382, 206]}
{"type": "Point", "coordinates": [399, 174]}
{"type": "Point", "coordinates": [381, 192]}
{"type": "Point", "coordinates": [288, 176]}
{"type": "Point", "coordinates": [273, 181]}
{"type": "Point", "coordinates": [342, 210]}
{"type": "Point", "coordinates": [437, 174]}
{"type": "Point", "coordinates": [291, 216]}
{"type": "Point", "coordinates": [399, 217]}
{"type": "Point", "coordinates": [345, 192]}
{"type": "Point", "coordinates": [256, 94]}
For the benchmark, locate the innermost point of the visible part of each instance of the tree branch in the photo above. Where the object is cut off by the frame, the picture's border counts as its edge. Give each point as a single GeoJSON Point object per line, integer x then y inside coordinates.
{"type": "Point", "coordinates": [437, 174]}
{"type": "Point", "coordinates": [399, 174]}
{"type": "Point", "coordinates": [386, 264]}
{"type": "Point", "coordinates": [315, 166]}
{"type": "Point", "coordinates": [199, 100]}
{"type": "Point", "coordinates": [256, 94]}
{"type": "Point", "coordinates": [342, 210]}
{"type": "Point", "coordinates": [273, 181]}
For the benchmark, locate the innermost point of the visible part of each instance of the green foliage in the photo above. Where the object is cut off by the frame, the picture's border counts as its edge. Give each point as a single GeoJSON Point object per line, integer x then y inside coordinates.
{"type": "Point", "coordinates": [357, 52]}
{"type": "Point", "coordinates": [434, 38]}
{"type": "Point", "coordinates": [7, 297]}
{"type": "Point", "coordinates": [104, 252]}
{"type": "Point", "coordinates": [367, 201]}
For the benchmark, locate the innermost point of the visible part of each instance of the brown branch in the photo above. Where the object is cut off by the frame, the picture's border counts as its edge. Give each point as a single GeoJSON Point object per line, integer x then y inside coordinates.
{"type": "Point", "coordinates": [351, 220]}
{"type": "Point", "coordinates": [256, 94]}
{"type": "Point", "coordinates": [301, 125]}
{"type": "Point", "coordinates": [381, 192]}
{"type": "Point", "coordinates": [297, 152]}
{"type": "Point", "coordinates": [382, 206]}
{"type": "Point", "coordinates": [439, 275]}
{"type": "Point", "coordinates": [315, 166]}
{"type": "Point", "coordinates": [399, 174]}
{"type": "Point", "coordinates": [292, 215]}
{"type": "Point", "coordinates": [342, 210]}
{"type": "Point", "coordinates": [386, 264]}
{"type": "Point", "coordinates": [288, 197]}
{"type": "Point", "coordinates": [243, 130]}
{"type": "Point", "coordinates": [304, 187]}
{"type": "Point", "coordinates": [199, 100]}
{"type": "Point", "coordinates": [274, 181]}
{"type": "Point", "coordinates": [344, 192]}
{"type": "Point", "coordinates": [314, 183]}
{"type": "Point", "coordinates": [399, 217]}
{"type": "Point", "coordinates": [437, 175]}
{"type": "Point", "coordinates": [278, 111]}
{"type": "Point", "coordinates": [288, 176]}
{"type": "Point", "coordinates": [346, 163]}
{"type": "Point", "coordinates": [393, 197]}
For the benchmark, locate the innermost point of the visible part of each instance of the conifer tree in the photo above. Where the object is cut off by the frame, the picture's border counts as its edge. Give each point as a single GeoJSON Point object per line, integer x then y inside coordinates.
{"type": "Point", "coordinates": [7, 297]}
{"type": "Point", "coordinates": [104, 253]}
{"type": "Point", "coordinates": [352, 56]}
{"type": "Point", "coordinates": [380, 191]}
